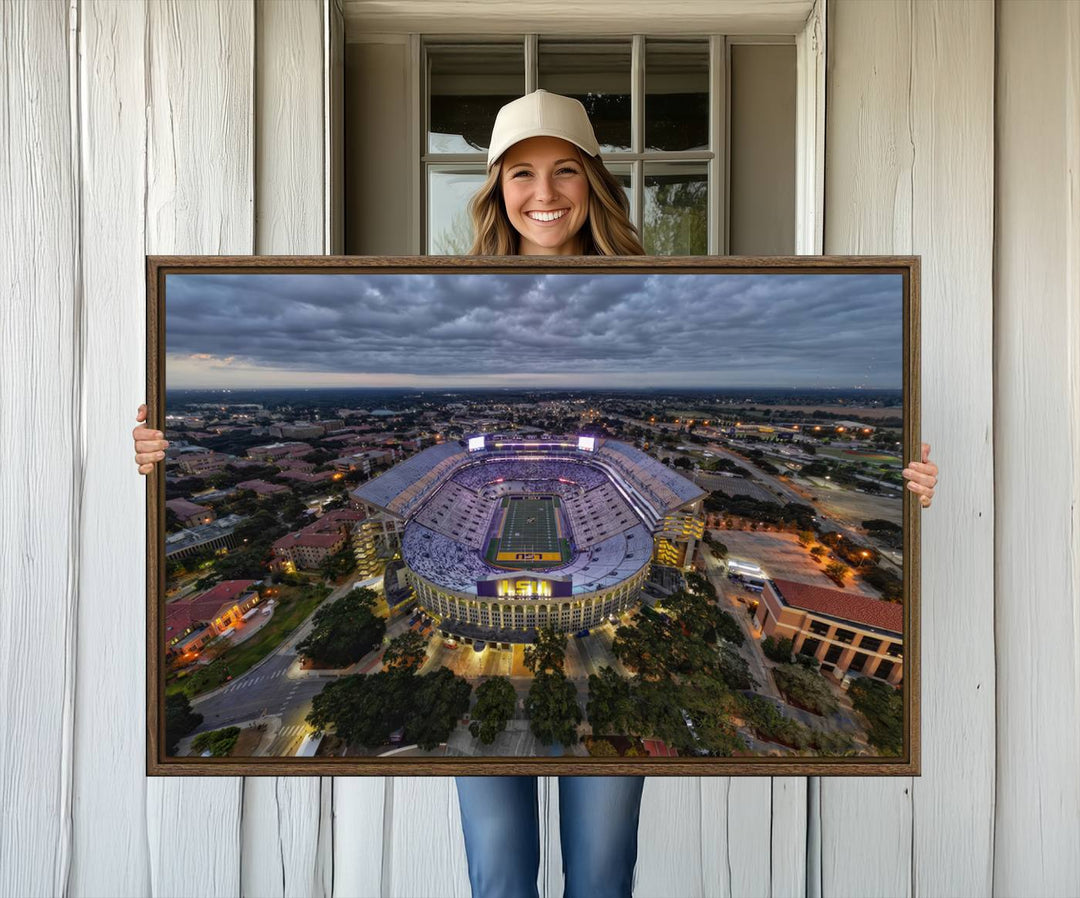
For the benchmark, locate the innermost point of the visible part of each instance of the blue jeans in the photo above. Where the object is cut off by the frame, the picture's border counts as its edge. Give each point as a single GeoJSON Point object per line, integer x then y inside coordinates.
{"type": "Point", "coordinates": [598, 822]}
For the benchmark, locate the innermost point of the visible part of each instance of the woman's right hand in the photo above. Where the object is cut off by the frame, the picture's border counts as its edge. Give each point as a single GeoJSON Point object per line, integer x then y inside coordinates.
{"type": "Point", "coordinates": [149, 444]}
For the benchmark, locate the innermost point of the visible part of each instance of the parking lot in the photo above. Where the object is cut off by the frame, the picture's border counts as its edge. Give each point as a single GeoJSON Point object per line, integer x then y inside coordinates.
{"type": "Point", "coordinates": [584, 656]}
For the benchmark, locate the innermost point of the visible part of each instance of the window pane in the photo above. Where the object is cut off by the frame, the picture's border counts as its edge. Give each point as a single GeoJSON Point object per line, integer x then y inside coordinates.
{"type": "Point", "coordinates": [597, 74]}
{"type": "Point", "coordinates": [449, 191]}
{"type": "Point", "coordinates": [466, 87]}
{"type": "Point", "coordinates": [676, 95]}
{"type": "Point", "coordinates": [676, 209]}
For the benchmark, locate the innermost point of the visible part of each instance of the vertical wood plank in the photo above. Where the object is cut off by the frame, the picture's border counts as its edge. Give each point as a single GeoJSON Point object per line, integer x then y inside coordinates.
{"type": "Point", "coordinates": [41, 452]}
{"type": "Point", "coordinates": [360, 809]}
{"type": "Point", "coordinates": [290, 162]}
{"type": "Point", "coordinates": [952, 77]}
{"type": "Point", "coordinates": [671, 837]}
{"type": "Point", "coordinates": [334, 125]}
{"type": "Point", "coordinates": [110, 854]}
{"type": "Point", "coordinates": [282, 815]}
{"type": "Point", "coordinates": [788, 837]}
{"type": "Point", "coordinates": [868, 203]}
{"type": "Point", "coordinates": [1037, 446]}
{"type": "Point", "coordinates": [910, 169]}
{"type": "Point", "coordinates": [199, 197]}
{"type": "Point", "coordinates": [736, 854]}
{"type": "Point", "coordinates": [424, 847]}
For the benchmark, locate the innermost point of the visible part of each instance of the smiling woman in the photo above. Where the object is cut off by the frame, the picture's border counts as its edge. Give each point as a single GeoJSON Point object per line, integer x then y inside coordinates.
{"type": "Point", "coordinates": [547, 190]}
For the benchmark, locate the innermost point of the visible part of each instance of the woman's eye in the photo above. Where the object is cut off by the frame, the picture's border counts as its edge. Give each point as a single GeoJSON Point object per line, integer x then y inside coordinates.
{"type": "Point", "coordinates": [568, 171]}
{"type": "Point", "coordinates": [519, 174]}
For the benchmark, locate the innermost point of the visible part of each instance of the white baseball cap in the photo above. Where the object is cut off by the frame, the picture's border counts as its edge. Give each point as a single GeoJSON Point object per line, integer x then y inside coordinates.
{"type": "Point", "coordinates": [541, 114]}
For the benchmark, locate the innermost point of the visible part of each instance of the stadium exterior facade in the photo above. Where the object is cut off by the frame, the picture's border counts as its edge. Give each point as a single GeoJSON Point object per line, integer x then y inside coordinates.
{"type": "Point", "coordinates": [617, 510]}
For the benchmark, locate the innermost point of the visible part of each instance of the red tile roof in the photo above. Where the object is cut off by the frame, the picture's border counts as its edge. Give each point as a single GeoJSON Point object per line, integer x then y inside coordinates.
{"type": "Point", "coordinates": [657, 748]}
{"type": "Point", "coordinates": [185, 509]}
{"type": "Point", "coordinates": [262, 487]}
{"type": "Point", "coordinates": [181, 614]}
{"type": "Point", "coordinates": [309, 540]}
{"type": "Point", "coordinates": [858, 609]}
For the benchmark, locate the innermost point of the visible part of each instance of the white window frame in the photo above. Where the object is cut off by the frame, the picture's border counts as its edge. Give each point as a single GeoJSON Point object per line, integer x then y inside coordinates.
{"type": "Point", "coordinates": [809, 42]}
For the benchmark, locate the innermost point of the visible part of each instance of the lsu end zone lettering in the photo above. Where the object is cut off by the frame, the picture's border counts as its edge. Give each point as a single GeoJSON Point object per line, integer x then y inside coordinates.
{"type": "Point", "coordinates": [529, 556]}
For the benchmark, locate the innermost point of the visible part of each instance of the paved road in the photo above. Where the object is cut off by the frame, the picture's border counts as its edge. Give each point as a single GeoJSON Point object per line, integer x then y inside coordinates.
{"type": "Point", "coordinates": [276, 686]}
{"type": "Point", "coordinates": [750, 650]}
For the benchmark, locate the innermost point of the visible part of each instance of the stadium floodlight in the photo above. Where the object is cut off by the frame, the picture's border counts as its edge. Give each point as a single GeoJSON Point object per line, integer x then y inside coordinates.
{"type": "Point", "coordinates": [476, 443]}
{"type": "Point", "coordinates": [586, 444]}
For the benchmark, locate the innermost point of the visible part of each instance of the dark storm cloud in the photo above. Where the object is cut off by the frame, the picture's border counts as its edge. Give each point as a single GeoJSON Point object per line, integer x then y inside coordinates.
{"type": "Point", "coordinates": [596, 330]}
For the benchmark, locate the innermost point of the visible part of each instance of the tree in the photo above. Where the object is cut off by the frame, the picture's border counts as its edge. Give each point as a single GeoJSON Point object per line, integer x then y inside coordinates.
{"type": "Point", "coordinates": [883, 708]}
{"type": "Point", "coordinates": [659, 714]}
{"type": "Point", "coordinates": [440, 698]}
{"type": "Point", "coordinates": [676, 219]}
{"type": "Point", "coordinates": [406, 651]}
{"type": "Point", "coordinates": [553, 709]}
{"type": "Point", "coordinates": [494, 708]}
{"type": "Point", "coordinates": [728, 628]}
{"type": "Point", "coordinates": [219, 742]}
{"type": "Point", "coordinates": [364, 709]}
{"type": "Point", "coordinates": [344, 631]}
{"type": "Point", "coordinates": [601, 748]}
{"type": "Point", "coordinates": [610, 707]}
{"type": "Point", "coordinates": [642, 647]}
{"type": "Point", "coordinates": [699, 585]}
{"type": "Point", "coordinates": [547, 652]}
{"type": "Point", "coordinates": [777, 649]}
{"type": "Point", "coordinates": [836, 572]}
{"type": "Point", "coordinates": [734, 669]}
{"type": "Point", "coordinates": [179, 720]}
{"type": "Point", "coordinates": [708, 702]}
{"type": "Point", "coordinates": [804, 688]}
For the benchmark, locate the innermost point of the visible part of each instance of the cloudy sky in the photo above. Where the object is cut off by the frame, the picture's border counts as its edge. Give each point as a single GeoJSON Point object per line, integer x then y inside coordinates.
{"type": "Point", "coordinates": [533, 330]}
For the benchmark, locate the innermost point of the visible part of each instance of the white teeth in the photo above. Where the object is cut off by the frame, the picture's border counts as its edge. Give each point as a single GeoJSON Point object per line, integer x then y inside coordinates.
{"type": "Point", "coordinates": [546, 216]}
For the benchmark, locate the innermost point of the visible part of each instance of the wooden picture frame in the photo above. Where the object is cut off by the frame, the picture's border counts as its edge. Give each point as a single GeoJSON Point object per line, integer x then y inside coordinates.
{"type": "Point", "coordinates": [637, 492]}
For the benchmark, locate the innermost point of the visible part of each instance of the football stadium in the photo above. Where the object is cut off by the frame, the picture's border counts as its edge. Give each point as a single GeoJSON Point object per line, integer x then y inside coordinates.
{"type": "Point", "coordinates": [500, 535]}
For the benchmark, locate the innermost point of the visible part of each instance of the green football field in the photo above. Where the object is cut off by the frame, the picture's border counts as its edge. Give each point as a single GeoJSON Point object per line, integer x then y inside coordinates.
{"type": "Point", "coordinates": [529, 534]}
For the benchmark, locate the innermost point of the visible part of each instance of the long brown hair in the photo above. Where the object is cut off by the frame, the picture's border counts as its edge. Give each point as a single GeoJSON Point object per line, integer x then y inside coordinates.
{"type": "Point", "coordinates": [607, 231]}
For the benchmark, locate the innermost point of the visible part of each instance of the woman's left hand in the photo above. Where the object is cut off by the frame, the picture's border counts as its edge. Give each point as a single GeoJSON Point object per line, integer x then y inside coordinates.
{"type": "Point", "coordinates": [922, 477]}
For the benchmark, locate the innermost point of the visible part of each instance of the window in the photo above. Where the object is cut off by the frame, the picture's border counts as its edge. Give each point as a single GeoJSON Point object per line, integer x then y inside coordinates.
{"type": "Point", "coordinates": [843, 635]}
{"type": "Point", "coordinates": [869, 644]}
{"type": "Point", "coordinates": [819, 627]}
{"type": "Point", "coordinates": [833, 654]}
{"type": "Point", "coordinates": [659, 108]}
{"type": "Point", "coordinates": [896, 649]}
{"type": "Point", "coordinates": [883, 670]}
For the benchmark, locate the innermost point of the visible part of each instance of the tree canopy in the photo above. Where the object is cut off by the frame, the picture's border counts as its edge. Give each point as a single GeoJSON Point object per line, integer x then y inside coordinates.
{"type": "Point", "coordinates": [345, 630]}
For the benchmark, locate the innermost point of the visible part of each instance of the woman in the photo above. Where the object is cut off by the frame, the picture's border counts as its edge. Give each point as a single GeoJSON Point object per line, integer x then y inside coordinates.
{"type": "Point", "coordinates": [548, 193]}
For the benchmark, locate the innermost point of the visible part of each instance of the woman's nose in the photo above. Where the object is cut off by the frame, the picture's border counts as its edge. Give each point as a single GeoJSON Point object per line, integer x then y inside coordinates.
{"type": "Point", "coordinates": [545, 188]}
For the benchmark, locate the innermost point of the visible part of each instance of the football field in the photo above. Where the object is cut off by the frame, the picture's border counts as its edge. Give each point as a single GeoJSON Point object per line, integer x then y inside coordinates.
{"type": "Point", "coordinates": [530, 533]}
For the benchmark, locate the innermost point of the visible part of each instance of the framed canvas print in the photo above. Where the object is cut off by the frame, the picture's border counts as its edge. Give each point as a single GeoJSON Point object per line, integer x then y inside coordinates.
{"type": "Point", "coordinates": [533, 516]}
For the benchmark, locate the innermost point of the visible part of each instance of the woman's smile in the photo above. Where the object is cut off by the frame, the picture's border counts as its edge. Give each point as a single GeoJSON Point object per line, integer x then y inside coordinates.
{"type": "Point", "coordinates": [553, 215]}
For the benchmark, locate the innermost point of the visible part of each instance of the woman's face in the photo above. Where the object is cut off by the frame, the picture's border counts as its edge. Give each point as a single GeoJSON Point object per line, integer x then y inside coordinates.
{"type": "Point", "coordinates": [546, 195]}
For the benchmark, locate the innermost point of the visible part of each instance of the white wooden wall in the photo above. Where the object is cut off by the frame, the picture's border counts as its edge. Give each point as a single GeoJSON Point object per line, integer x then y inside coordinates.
{"type": "Point", "coordinates": [200, 127]}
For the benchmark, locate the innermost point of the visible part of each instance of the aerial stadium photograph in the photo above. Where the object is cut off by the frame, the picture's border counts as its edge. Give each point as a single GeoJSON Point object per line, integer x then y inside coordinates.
{"type": "Point", "coordinates": [533, 514]}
